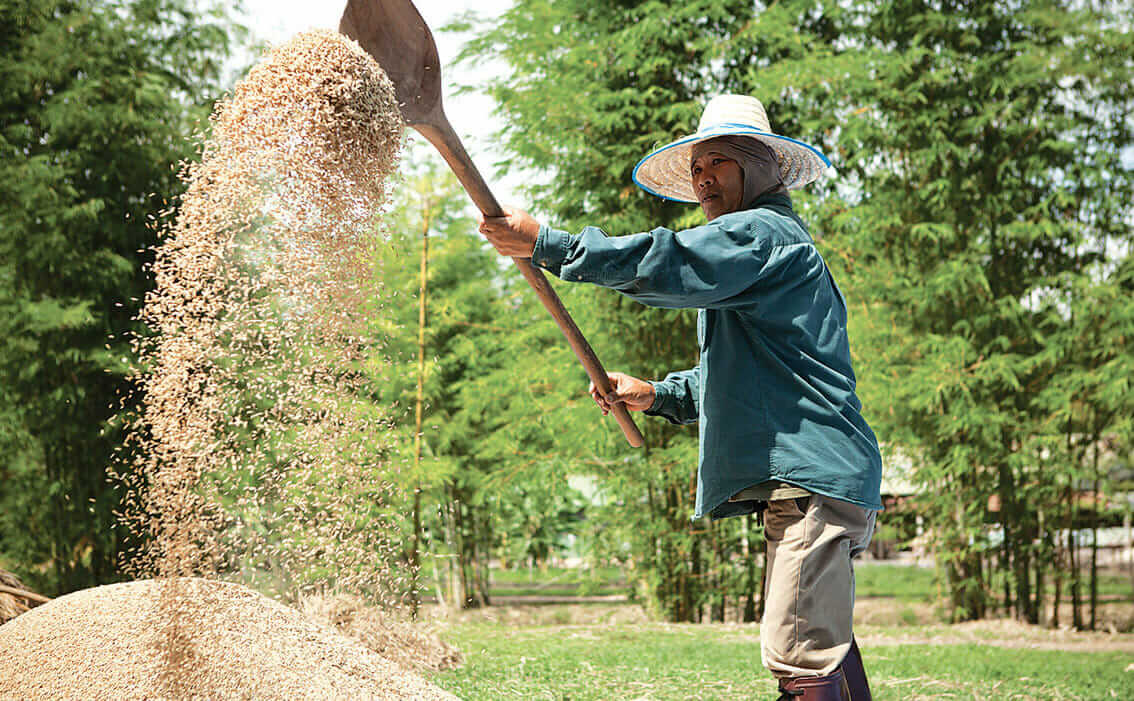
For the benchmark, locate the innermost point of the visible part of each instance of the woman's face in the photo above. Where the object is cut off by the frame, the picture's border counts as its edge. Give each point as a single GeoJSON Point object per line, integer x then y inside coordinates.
{"type": "Point", "coordinates": [718, 182]}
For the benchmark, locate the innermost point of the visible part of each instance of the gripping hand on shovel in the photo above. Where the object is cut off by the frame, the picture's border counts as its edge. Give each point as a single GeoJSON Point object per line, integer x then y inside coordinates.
{"type": "Point", "coordinates": [635, 394]}
{"type": "Point", "coordinates": [395, 35]}
{"type": "Point", "coordinates": [513, 234]}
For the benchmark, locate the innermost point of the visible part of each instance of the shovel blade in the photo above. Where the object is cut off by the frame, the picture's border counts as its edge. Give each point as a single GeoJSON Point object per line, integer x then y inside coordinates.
{"type": "Point", "coordinates": [394, 33]}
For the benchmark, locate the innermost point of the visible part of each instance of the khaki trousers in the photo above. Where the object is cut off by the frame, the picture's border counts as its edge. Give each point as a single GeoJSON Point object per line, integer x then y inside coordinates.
{"type": "Point", "coordinates": [809, 609]}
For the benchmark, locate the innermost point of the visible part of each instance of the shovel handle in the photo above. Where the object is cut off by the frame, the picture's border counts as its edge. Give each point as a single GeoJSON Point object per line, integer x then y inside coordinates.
{"type": "Point", "coordinates": [439, 133]}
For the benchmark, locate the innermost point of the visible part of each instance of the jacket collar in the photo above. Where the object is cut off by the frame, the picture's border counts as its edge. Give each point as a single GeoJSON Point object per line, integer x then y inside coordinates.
{"type": "Point", "coordinates": [775, 199]}
{"type": "Point", "coordinates": [779, 202]}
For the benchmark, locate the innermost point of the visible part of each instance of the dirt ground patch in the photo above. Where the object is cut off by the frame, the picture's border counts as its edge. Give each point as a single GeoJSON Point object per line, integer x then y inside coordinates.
{"type": "Point", "coordinates": [542, 615]}
{"type": "Point", "coordinates": [1113, 617]}
{"type": "Point", "coordinates": [1002, 633]}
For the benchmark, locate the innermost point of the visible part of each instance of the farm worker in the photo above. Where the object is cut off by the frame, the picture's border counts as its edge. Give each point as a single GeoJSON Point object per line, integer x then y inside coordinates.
{"type": "Point", "coordinates": [774, 393]}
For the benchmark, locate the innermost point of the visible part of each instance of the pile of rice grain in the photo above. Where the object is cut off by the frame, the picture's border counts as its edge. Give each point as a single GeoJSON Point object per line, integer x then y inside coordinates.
{"type": "Point", "coordinates": [409, 644]}
{"type": "Point", "coordinates": [99, 644]}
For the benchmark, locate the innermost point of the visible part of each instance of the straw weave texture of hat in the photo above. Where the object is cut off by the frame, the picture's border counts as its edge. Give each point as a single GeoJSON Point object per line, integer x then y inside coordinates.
{"type": "Point", "coordinates": [665, 171]}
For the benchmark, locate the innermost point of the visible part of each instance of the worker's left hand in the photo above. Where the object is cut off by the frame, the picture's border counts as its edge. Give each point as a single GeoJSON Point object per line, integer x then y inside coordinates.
{"type": "Point", "coordinates": [637, 395]}
{"type": "Point", "coordinates": [513, 234]}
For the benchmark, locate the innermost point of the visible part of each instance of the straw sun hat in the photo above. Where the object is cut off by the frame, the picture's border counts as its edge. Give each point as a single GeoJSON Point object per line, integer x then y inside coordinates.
{"type": "Point", "coordinates": [665, 172]}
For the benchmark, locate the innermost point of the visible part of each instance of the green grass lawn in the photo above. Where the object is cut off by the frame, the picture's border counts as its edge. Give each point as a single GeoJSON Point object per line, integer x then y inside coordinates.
{"type": "Point", "coordinates": [538, 575]}
{"type": "Point", "coordinates": [891, 581]}
{"type": "Point", "coordinates": [872, 580]}
{"type": "Point", "coordinates": [665, 661]}
{"type": "Point", "coordinates": [902, 582]}
{"type": "Point", "coordinates": [1116, 586]}
{"type": "Point", "coordinates": [715, 661]}
{"type": "Point", "coordinates": [557, 581]}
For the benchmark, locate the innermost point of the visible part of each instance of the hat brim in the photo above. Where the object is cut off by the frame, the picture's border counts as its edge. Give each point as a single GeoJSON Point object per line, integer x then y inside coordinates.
{"type": "Point", "coordinates": [665, 172]}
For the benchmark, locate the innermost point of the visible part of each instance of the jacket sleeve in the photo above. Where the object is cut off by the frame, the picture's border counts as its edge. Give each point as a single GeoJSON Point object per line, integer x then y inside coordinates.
{"type": "Point", "coordinates": [711, 266]}
{"type": "Point", "coordinates": [677, 397]}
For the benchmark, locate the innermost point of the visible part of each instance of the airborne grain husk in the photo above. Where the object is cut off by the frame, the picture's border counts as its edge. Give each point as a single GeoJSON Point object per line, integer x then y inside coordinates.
{"type": "Point", "coordinates": [259, 454]}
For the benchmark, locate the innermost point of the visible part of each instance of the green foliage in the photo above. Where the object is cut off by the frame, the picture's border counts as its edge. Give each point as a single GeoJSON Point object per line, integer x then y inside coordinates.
{"type": "Point", "coordinates": [990, 200]}
{"type": "Point", "coordinates": [979, 226]}
{"type": "Point", "coordinates": [590, 88]}
{"type": "Point", "coordinates": [982, 202]}
{"type": "Point", "coordinates": [491, 484]}
{"type": "Point", "coordinates": [97, 102]}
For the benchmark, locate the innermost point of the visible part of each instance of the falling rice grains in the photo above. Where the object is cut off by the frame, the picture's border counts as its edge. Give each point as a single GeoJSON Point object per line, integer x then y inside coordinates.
{"type": "Point", "coordinates": [259, 457]}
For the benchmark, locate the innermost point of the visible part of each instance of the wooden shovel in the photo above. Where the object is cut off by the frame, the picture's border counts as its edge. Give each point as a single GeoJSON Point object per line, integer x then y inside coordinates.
{"type": "Point", "coordinates": [393, 32]}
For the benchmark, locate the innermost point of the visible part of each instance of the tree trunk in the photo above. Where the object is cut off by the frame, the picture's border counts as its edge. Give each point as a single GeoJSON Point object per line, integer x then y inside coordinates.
{"type": "Point", "coordinates": [690, 599]}
{"type": "Point", "coordinates": [1095, 538]}
{"type": "Point", "coordinates": [670, 575]}
{"type": "Point", "coordinates": [1072, 552]}
{"type": "Point", "coordinates": [720, 593]}
{"type": "Point", "coordinates": [415, 558]}
{"type": "Point", "coordinates": [1041, 563]}
{"type": "Point", "coordinates": [465, 552]}
{"type": "Point", "coordinates": [1006, 570]}
{"type": "Point", "coordinates": [473, 563]}
{"type": "Point", "coordinates": [1060, 570]}
{"type": "Point", "coordinates": [455, 593]}
{"type": "Point", "coordinates": [968, 597]}
{"type": "Point", "coordinates": [484, 551]}
{"type": "Point", "coordinates": [1128, 529]}
{"type": "Point", "coordinates": [964, 574]}
{"type": "Point", "coordinates": [1058, 577]}
{"type": "Point", "coordinates": [1024, 573]}
{"type": "Point", "coordinates": [654, 556]}
{"type": "Point", "coordinates": [1015, 545]}
{"type": "Point", "coordinates": [749, 615]}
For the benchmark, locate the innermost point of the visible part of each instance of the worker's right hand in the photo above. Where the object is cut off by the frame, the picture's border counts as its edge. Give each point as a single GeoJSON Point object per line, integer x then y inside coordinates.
{"type": "Point", "coordinates": [637, 395]}
{"type": "Point", "coordinates": [513, 234]}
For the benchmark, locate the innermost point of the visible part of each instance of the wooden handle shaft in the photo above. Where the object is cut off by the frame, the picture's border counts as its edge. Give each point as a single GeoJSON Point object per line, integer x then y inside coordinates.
{"type": "Point", "coordinates": [441, 135]}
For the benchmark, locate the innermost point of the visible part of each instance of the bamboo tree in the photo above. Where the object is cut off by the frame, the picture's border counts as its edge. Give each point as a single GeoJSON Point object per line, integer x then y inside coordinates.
{"type": "Point", "coordinates": [593, 87]}
{"type": "Point", "coordinates": [419, 403]}
{"type": "Point", "coordinates": [977, 225]}
{"type": "Point", "coordinates": [1096, 499]}
{"type": "Point", "coordinates": [1073, 556]}
{"type": "Point", "coordinates": [479, 453]}
{"type": "Point", "coordinates": [973, 185]}
{"type": "Point", "coordinates": [427, 201]}
{"type": "Point", "coordinates": [98, 101]}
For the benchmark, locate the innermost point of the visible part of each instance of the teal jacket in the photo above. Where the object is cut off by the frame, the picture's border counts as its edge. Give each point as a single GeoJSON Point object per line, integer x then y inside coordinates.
{"type": "Point", "coordinates": [774, 391]}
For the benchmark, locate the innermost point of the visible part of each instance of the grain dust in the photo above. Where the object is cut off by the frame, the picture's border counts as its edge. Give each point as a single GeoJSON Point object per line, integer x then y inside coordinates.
{"type": "Point", "coordinates": [259, 457]}
{"type": "Point", "coordinates": [409, 644]}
